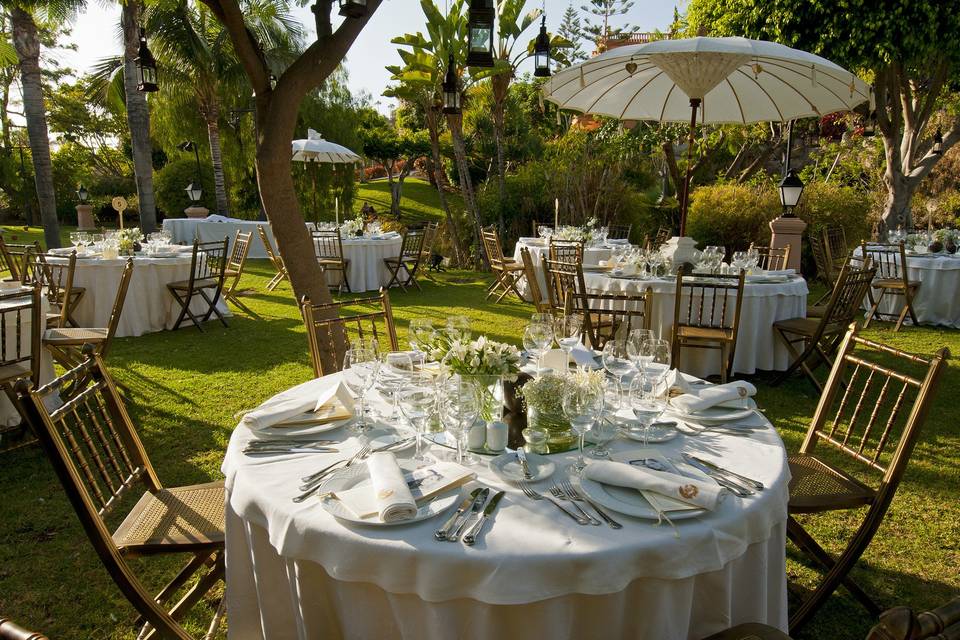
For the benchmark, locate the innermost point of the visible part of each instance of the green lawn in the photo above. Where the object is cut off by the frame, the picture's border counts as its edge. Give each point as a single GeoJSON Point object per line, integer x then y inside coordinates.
{"type": "Point", "coordinates": [185, 390]}
{"type": "Point", "coordinates": [419, 201]}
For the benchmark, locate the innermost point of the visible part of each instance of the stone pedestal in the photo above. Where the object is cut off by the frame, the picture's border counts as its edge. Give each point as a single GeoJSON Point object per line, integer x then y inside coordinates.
{"type": "Point", "coordinates": [85, 218]}
{"type": "Point", "coordinates": [679, 249]}
{"type": "Point", "coordinates": [788, 232]}
{"type": "Point", "coordinates": [197, 212]}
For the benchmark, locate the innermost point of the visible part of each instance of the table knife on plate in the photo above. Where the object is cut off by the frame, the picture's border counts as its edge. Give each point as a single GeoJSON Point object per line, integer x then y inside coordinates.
{"type": "Point", "coordinates": [461, 523]}
{"type": "Point", "coordinates": [471, 534]}
{"type": "Point", "coordinates": [754, 484]}
{"type": "Point", "coordinates": [724, 481]}
{"type": "Point", "coordinates": [522, 457]}
{"type": "Point", "coordinates": [448, 526]}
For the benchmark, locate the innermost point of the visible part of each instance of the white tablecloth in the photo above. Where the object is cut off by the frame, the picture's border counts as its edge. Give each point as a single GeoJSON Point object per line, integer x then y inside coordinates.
{"type": "Point", "coordinates": [367, 272]}
{"type": "Point", "coordinates": [9, 416]}
{"type": "Point", "coordinates": [293, 571]}
{"type": "Point", "coordinates": [186, 230]}
{"type": "Point", "coordinates": [937, 299]}
{"type": "Point", "coordinates": [538, 249]}
{"type": "Point", "coordinates": [148, 307]}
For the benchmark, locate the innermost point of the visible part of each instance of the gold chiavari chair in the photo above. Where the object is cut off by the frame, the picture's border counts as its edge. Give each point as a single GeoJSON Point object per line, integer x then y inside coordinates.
{"type": "Point", "coordinates": [408, 261]}
{"type": "Point", "coordinates": [21, 325]}
{"type": "Point", "coordinates": [207, 272]}
{"type": "Point", "coordinates": [234, 270]}
{"type": "Point", "coordinates": [64, 343]}
{"type": "Point", "coordinates": [819, 336]}
{"type": "Point", "coordinates": [9, 630]}
{"type": "Point", "coordinates": [330, 326]}
{"type": "Point", "coordinates": [706, 315]}
{"type": "Point", "coordinates": [870, 412]}
{"type": "Point", "coordinates": [565, 250]}
{"type": "Point", "coordinates": [328, 246]}
{"type": "Point", "coordinates": [55, 275]}
{"type": "Point", "coordinates": [619, 231]}
{"type": "Point", "coordinates": [892, 279]}
{"type": "Point", "coordinates": [772, 259]}
{"type": "Point", "coordinates": [15, 255]}
{"type": "Point", "coordinates": [533, 286]}
{"type": "Point", "coordinates": [430, 232]}
{"type": "Point", "coordinates": [505, 270]}
{"type": "Point", "coordinates": [102, 465]}
{"type": "Point", "coordinates": [275, 259]}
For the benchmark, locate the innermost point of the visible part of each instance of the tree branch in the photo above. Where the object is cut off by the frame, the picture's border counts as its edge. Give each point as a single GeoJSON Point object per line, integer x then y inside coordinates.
{"type": "Point", "coordinates": [247, 48]}
{"type": "Point", "coordinates": [926, 164]}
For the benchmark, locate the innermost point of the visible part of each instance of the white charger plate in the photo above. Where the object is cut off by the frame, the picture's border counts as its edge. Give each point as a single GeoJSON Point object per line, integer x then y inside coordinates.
{"type": "Point", "coordinates": [717, 414]}
{"type": "Point", "coordinates": [507, 466]}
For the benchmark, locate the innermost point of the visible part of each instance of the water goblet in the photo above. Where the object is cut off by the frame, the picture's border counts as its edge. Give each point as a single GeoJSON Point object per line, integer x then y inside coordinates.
{"type": "Point", "coordinates": [360, 366]}
{"type": "Point", "coordinates": [420, 334]}
{"type": "Point", "coordinates": [567, 331]}
{"type": "Point", "coordinates": [645, 402]}
{"type": "Point", "coordinates": [459, 409]}
{"type": "Point", "coordinates": [537, 338]}
{"type": "Point", "coordinates": [582, 407]}
{"type": "Point", "coordinates": [396, 372]}
{"type": "Point", "coordinates": [616, 361]}
{"type": "Point", "coordinates": [602, 433]}
{"type": "Point", "coordinates": [416, 405]}
{"type": "Point", "coordinates": [458, 328]}
{"type": "Point", "coordinates": [635, 340]}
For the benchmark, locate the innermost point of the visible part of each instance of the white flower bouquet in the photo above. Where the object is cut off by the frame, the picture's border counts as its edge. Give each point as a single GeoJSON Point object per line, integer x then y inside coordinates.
{"type": "Point", "coordinates": [127, 240]}
{"type": "Point", "coordinates": [351, 227]}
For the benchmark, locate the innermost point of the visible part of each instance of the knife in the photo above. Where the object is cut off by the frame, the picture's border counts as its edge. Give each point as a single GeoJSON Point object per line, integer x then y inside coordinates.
{"type": "Point", "coordinates": [754, 484]}
{"type": "Point", "coordinates": [462, 523]}
{"type": "Point", "coordinates": [269, 451]}
{"type": "Point", "coordinates": [441, 533]}
{"type": "Point", "coordinates": [724, 481]}
{"type": "Point", "coordinates": [471, 535]}
{"type": "Point", "coordinates": [522, 457]}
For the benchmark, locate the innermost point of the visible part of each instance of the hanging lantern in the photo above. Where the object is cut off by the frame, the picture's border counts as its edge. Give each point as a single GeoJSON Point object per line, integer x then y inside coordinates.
{"type": "Point", "coordinates": [791, 188]}
{"type": "Point", "coordinates": [541, 52]}
{"type": "Point", "coordinates": [938, 141]}
{"type": "Point", "coordinates": [451, 89]}
{"type": "Point", "coordinates": [194, 193]}
{"type": "Point", "coordinates": [353, 8]}
{"type": "Point", "coordinates": [480, 33]}
{"type": "Point", "coordinates": [82, 194]}
{"type": "Point", "coordinates": [146, 66]}
{"type": "Point", "coordinates": [870, 125]}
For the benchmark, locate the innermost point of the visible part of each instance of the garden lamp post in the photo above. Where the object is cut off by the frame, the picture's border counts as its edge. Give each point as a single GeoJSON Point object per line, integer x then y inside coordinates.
{"type": "Point", "coordinates": [194, 189]}
{"type": "Point", "coordinates": [791, 188]}
{"type": "Point", "coordinates": [84, 210]}
{"type": "Point", "coordinates": [353, 8]}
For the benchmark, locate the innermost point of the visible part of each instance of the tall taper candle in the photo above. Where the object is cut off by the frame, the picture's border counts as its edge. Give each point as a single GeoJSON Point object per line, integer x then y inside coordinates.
{"type": "Point", "coordinates": [336, 209]}
{"type": "Point", "coordinates": [556, 213]}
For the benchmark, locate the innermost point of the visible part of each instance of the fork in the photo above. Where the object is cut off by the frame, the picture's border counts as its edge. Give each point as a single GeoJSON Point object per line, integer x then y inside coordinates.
{"type": "Point", "coordinates": [577, 496]}
{"type": "Point", "coordinates": [558, 493]}
{"type": "Point", "coordinates": [533, 495]}
{"type": "Point", "coordinates": [312, 482]}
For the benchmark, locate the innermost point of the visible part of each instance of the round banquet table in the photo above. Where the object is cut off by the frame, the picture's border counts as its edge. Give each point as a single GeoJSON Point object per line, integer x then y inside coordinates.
{"type": "Point", "coordinates": [9, 415]}
{"type": "Point", "coordinates": [758, 348]}
{"type": "Point", "coordinates": [538, 249]}
{"type": "Point", "coordinates": [214, 228]}
{"type": "Point", "coordinates": [937, 299]}
{"type": "Point", "coordinates": [367, 272]}
{"type": "Point", "coordinates": [294, 571]}
{"type": "Point", "coordinates": [148, 307]}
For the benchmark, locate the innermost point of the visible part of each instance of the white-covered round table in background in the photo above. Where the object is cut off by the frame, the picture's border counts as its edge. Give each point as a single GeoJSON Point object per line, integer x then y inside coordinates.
{"type": "Point", "coordinates": [937, 299]}
{"type": "Point", "coordinates": [367, 271]}
{"type": "Point", "coordinates": [538, 249]}
{"type": "Point", "coordinates": [215, 228]}
{"type": "Point", "coordinates": [294, 571]}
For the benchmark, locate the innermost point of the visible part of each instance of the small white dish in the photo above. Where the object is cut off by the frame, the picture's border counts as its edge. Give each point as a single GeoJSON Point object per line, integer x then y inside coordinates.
{"type": "Point", "coordinates": [507, 466]}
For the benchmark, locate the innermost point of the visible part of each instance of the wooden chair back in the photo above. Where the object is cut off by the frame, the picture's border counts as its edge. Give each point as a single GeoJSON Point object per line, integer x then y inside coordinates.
{"type": "Point", "coordinates": [16, 345]}
{"type": "Point", "coordinates": [11, 631]}
{"type": "Point", "coordinates": [889, 259]}
{"type": "Point", "coordinates": [536, 224]}
{"type": "Point", "coordinates": [328, 245]}
{"type": "Point", "coordinates": [708, 303]}
{"type": "Point", "coordinates": [411, 249]}
{"type": "Point", "coordinates": [848, 294]}
{"type": "Point", "coordinates": [8, 269]}
{"type": "Point", "coordinates": [239, 252]}
{"type": "Point", "coordinates": [772, 259]}
{"type": "Point", "coordinates": [430, 232]}
{"type": "Point", "coordinates": [55, 275]}
{"type": "Point", "coordinates": [541, 304]}
{"type": "Point", "coordinates": [821, 258]}
{"type": "Point", "coordinates": [566, 251]}
{"type": "Point", "coordinates": [835, 240]}
{"type": "Point", "coordinates": [492, 247]}
{"type": "Point", "coordinates": [125, 276]}
{"type": "Point", "coordinates": [99, 458]}
{"type": "Point", "coordinates": [333, 326]}
{"type": "Point", "coordinates": [901, 623]}
{"type": "Point", "coordinates": [619, 231]}
{"type": "Point", "coordinates": [275, 258]}
{"type": "Point", "coordinates": [16, 255]}
{"type": "Point", "coordinates": [209, 260]}
{"type": "Point", "coordinates": [660, 238]}
{"type": "Point", "coordinates": [566, 289]}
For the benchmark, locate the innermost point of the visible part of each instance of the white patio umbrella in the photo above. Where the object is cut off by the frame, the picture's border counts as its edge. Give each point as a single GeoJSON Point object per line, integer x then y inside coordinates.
{"type": "Point", "coordinates": [730, 80]}
{"type": "Point", "coordinates": [315, 149]}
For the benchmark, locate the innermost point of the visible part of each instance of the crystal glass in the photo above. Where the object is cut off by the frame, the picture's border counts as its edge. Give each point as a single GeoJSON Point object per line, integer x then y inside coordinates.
{"type": "Point", "coordinates": [753, 258]}
{"type": "Point", "coordinates": [541, 318]}
{"type": "Point", "coordinates": [655, 259]}
{"type": "Point", "coordinates": [544, 231]}
{"type": "Point", "coordinates": [739, 260]}
{"type": "Point", "coordinates": [459, 408]}
{"type": "Point", "coordinates": [537, 338]}
{"type": "Point", "coordinates": [417, 404]}
{"type": "Point", "coordinates": [567, 331]}
{"type": "Point", "coordinates": [582, 408]}
{"type": "Point", "coordinates": [602, 433]}
{"type": "Point", "coordinates": [360, 366]}
{"type": "Point", "coordinates": [75, 238]}
{"type": "Point", "coordinates": [458, 328]}
{"type": "Point", "coordinates": [395, 373]}
{"type": "Point", "coordinates": [646, 402]}
{"type": "Point", "coordinates": [616, 361]}
{"type": "Point", "coordinates": [635, 340]}
{"type": "Point", "coordinates": [420, 334]}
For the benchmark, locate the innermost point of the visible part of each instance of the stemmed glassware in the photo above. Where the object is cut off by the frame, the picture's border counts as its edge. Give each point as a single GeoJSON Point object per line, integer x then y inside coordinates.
{"type": "Point", "coordinates": [616, 361]}
{"type": "Point", "coordinates": [537, 338]}
{"type": "Point", "coordinates": [567, 329]}
{"type": "Point", "coordinates": [416, 405]}
{"type": "Point", "coordinates": [458, 328]}
{"type": "Point", "coordinates": [395, 374]}
{"type": "Point", "coordinates": [648, 387]}
{"type": "Point", "coordinates": [75, 238]}
{"type": "Point", "coordinates": [420, 334]}
{"type": "Point", "coordinates": [360, 366]}
{"type": "Point", "coordinates": [582, 407]}
{"type": "Point", "coordinates": [635, 340]}
{"type": "Point", "coordinates": [459, 408]}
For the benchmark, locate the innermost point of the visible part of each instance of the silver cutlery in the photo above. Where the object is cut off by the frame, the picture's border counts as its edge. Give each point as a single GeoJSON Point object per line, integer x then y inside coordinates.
{"type": "Point", "coordinates": [533, 495]}
{"type": "Point", "coordinates": [319, 474]}
{"type": "Point", "coordinates": [441, 533]}
{"type": "Point", "coordinates": [558, 493]}
{"type": "Point", "coordinates": [314, 485]}
{"type": "Point", "coordinates": [739, 489]}
{"type": "Point", "coordinates": [461, 524]}
{"type": "Point", "coordinates": [754, 484]}
{"type": "Point", "coordinates": [268, 451]}
{"type": "Point", "coordinates": [578, 496]}
{"type": "Point", "coordinates": [470, 536]}
{"type": "Point", "coordinates": [522, 457]}
{"type": "Point", "coordinates": [289, 442]}
{"type": "Point", "coordinates": [366, 451]}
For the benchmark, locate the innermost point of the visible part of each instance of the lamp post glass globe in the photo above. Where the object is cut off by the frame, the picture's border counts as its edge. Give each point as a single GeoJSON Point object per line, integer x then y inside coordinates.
{"type": "Point", "coordinates": [451, 89]}
{"type": "Point", "coordinates": [480, 19]}
{"type": "Point", "coordinates": [82, 194]}
{"type": "Point", "coordinates": [541, 52]}
{"type": "Point", "coordinates": [146, 66]}
{"type": "Point", "coordinates": [353, 8]}
{"type": "Point", "coordinates": [791, 188]}
{"type": "Point", "coordinates": [194, 192]}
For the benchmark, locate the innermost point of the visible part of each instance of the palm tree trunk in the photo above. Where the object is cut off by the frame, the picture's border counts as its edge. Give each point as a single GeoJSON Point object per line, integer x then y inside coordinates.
{"type": "Point", "coordinates": [455, 124]}
{"type": "Point", "coordinates": [138, 117]}
{"type": "Point", "coordinates": [453, 229]}
{"type": "Point", "coordinates": [27, 43]}
{"type": "Point", "coordinates": [501, 85]}
{"type": "Point", "coordinates": [212, 115]}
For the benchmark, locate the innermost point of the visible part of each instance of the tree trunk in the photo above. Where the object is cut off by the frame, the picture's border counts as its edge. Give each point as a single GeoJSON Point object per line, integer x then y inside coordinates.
{"type": "Point", "coordinates": [212, 116]}
{"type": "Point", "coordinates": [501, 85]}
{"type": "Point", "coordinates": [453, 228]}
{"type": "Point", "coordinates": [455, 124]}
{"type": "Point", "coordinates": [394, 189]}
{"type": "Point", "coordinates": [27, 43]}
{"type": "Point", "coordinates": [138, 117]}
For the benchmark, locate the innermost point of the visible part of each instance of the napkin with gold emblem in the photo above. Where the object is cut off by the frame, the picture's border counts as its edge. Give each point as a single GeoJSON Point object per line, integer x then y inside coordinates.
{"type": "Point", "coordinates": [704, 494]}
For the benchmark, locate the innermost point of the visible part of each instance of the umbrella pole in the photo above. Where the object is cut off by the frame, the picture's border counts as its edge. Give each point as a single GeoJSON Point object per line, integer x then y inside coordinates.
{"type": "Point", "coordinates": [316, 214]}
{"type": "Point", "coordinates": [685, 197]}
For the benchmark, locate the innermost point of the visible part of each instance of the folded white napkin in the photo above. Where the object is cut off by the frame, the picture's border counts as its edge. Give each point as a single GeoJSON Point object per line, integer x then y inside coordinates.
{"type": "Point", "coordinates": [696, 400]}
{"type": "Point", "coordinates": [394, 501]}
{"type": "Point", "coordinates": [699, 493]}
{"type": "Point", "coordinates": [676, 380]}
{"type": "Point", "coordinates": [333, 403]}
{"type": "Point", "coordinates": [583, 356]}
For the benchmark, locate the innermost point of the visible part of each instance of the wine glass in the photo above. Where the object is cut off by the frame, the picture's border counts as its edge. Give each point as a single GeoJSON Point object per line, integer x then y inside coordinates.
{"type": "Point", "coordinates": [603, 432]}
{"type": "Point", "coordinates": [582, 407]}
{"type": "Point", "coordinates": [541, 318]}
{"type": "Point", "coordinates": [420, 334]}
{"type": "Point", "coordinates": [537, 338]}
{"type": "Point", "coordinates": [459, 408]}
{"type": "Point", "coordinates": [396, 372]}
{"type": "Point", "coordinates": [416, 405]}
{"type": "Point", "coordinates": [635, 340]}
{"type": "Point", "coordinates": [616, 361]}
{"type": "Point", "coordinates": [458, 328]}
{"type": "Point", "coordinates": [75, 239]}
{"type": "Point", "coordinates": [360, 366]}
{"type": "Point", "coordinates": [655, 354]}
{"type": "Point", "coordinates": [567, 331]}
{"type": "Point", "coordinates": [645, 401]}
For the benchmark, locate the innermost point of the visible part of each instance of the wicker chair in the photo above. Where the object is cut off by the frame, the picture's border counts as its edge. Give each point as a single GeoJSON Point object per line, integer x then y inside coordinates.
{"type": "Point", "coordinates": [619, 231]}
{"type": "Point", "coordinates": [505, 270]}
{"type": "Point", "coordinates": [533, 285]}
{"type": "Point", "coordinates": [275, 259]}
{"type": "Point", "coordinates": [328, 245]}
{"type": "Point", "coordinates": [892, 279]}
{"type": "Point", "coordinates": [19, 353]}
{"type": "Point", "coordinates": [55, 275]}
{"type": "Point", "coordinates": [706, 315]}
{"type": "Point", "coordinates": [235, 264]}
{"type": "Point", "coordinates": [565, 250]}
{"type": "Point", "coordinates": [408, 261]}
{"type": "Point", "coordinates": [102, 464]}
{"type": "Point", "coordinates": [207, 273]}
{"type": "Point", "coordinates": [11, 631]}
{"type": "Point", "coordinates": [329, 327]}
{"type": "Point", "coordinates": [870, 413]}
{"type": "Point", "coordinates": [15, 256]}
{"type": "Point", "coordinates": [772, 259]}
{"type": "Point", "coordinates": [64, 343]}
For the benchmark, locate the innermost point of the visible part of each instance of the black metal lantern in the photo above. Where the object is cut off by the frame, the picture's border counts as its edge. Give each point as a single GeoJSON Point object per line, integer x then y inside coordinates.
{"type": "Point", "coordinates": [541, 52]}
{"type": "Point", "coordinates": [451, 88]}
{"type": "Point", "coordinates": [146, 66]}
{"type": "Point", "coordinates": [82, 194]}
{"type": "Point", "coordinates": [870, 125]}
{"type": "Point", "coordinates": [480, 20]}
{"type": "Point", "coordinates": [353, 8]}
{"type": "Point", "coordinates": [194, 193]}
{"type": "Point", "coordinates": [791, 188]}
{"type": "Point", "coordinates": [938, 141]}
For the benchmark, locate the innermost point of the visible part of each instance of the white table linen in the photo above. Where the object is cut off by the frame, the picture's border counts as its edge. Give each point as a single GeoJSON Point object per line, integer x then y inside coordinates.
{"type": "Point", "coordinates": [214, 228]}
{"type": "Point", "coordinates": [148, 307]}
{"type": "Point", "coordinates": [9, 415]}
{"type": "Point", "coordinates": [293, 571]}
{"type": "Point", "coordinates": [538, 249]}
{"type": "Point", "coordinates": [937, 299]}
{"type": "Point", "coordinates": [367, 271]}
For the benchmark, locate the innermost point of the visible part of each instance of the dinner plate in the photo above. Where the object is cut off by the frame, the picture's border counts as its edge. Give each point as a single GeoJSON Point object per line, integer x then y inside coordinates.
{"type": "Point", "coordinates": [507, 466]}
{"type": "Point", "coordinates": [380, 439]}
{"type": "Point", "coordinates": [302, 425]}
{"type": "Point", "coordinates": [776, 279]}
{"type": "Point", "coordinates": [717, 414]}
{"type": "Point", "coordinates": [358, 475]}
{"type": "Point", "coordinates": [587, 268]}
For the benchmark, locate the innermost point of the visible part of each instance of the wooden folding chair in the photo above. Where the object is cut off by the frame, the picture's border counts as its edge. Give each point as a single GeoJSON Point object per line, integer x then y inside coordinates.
{"type": "Point", "coordinates": [541, 304]}
{"type": "Point", "coordinates": [64, 343]}
{"type": "Point", "coordinates": [330, 329]}
{"type": "Point", "coordinates": [835, 239]}
{"type": "Point", "coordinates": [207, 272]}
{"type": "Point", "coordinates": [506, 271]}
{"type": "Point", "coordinates": [235, 264]}
{"type": "Point", "coordinates": [328, 246]}
{"type": "Point", "coordinates": [430, 232]}
{"type": "Point", "coordinates": [565, 250]}
{"type": "Point", "coordinates": [8, 269]}
{"type": "Point", "coordinates": [871, 412]}
{"type": "Point", "coordinates": [892, 279]}
{"type": "Point", "coordinates": [772, 259]}
{"type": "Point", "coordinates": [275, 259]}
{"type": "Point", "coordinates": [55, 275]}
{"type": "Point", "coordinates": [619, 231]}
{"type": "Point", "coordinates": [411, 254]}
{"type": "Point", "coordinates": [820, 335]}
{"type": "Point", "coordinates": [706, 315]}
{"type": "Point", "coordinates": [19, 353]}
{"type": "Point", "coordinates": [15, 256]}
{"type": "Point", "coordinates": [537, 224]}
{"type": "Point", "coordinates": [100, 461]}
{"type": "Point", "coordinates": [659, 239]}
{"type": "Point", "coordinates": [12, 631]}
{"type": "Point", "coordinates": [901, 623]}
{"type": "Point", "coordinates": [605, 315]}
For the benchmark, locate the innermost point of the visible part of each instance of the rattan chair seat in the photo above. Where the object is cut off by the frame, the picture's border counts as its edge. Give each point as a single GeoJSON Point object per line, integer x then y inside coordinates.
{"type": "Point", "coordinates": [74, 335]}
{"type": "Point", "coordinates": [15, 371]}
{"type": "Point", "coordinates": [705, 333]}
{"type": "Point", "coordinates": [750, 631]}
{"type": "Point", "coordinates": [894, 283]}
{"type": "Point", "coordinates": [327, 262]}
{"type": "Point", "coordinates": [816, 486]}
{"type": "Point", "coordinates": [799, 326]}
{"type": "Point", "coordinates": [199, 283]}
{"type": "Point", "coordinates": [188, 517]}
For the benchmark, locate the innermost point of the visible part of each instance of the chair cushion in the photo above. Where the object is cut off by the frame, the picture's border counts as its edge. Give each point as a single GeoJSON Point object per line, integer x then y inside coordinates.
{"type": "Point", "coordinates": [799, 326]}
{"type": "Point", "coordinates": [816, 486]}
{"type": "Point", "coordinates": [181, 516]}
{"type": "Point", "coordinates": [74, 335]}
{"type": "Point", "coordinates": [200, 283]}
{"type": "Point", "coordinates": [15, 371]}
